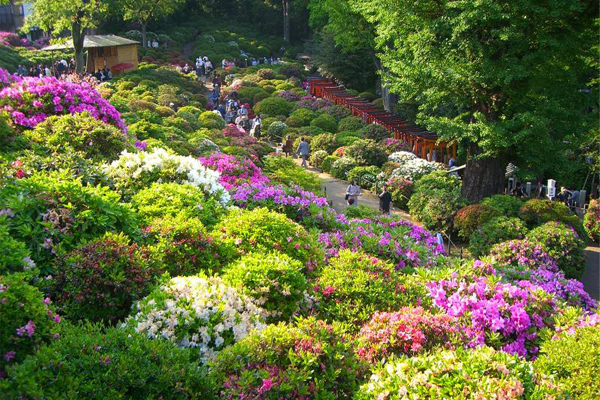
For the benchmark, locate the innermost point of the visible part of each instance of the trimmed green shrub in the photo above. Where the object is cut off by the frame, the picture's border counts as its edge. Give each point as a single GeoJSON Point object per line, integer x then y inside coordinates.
{"type": "Point", "coordinates": [328, 163]}
{"type": "Point", "coordinates": [351, 124]}
{"type": "Point", "coordinates": [308, 359]}
{"type": "Point", "coordinates": [375, 132]}
{"type": "Point", "coordinates": [276, 130]}
{"type": "Point", "coordinates": [366, 152]}
{"type": "Point", "coordinates": [211, 120]}
{"type": "Point", "coordinates": [537, 211]}
{"type": "Point", "coordinates": [99, 281]}
{"type": "Point", "coordinates": [79, 132]}
{"type": "Point", "coordinates": [26, 319]}
{"type": "Point", "coordinates": [286, 171]}
{"type": "Point", "coordinates": [89, 363]}
{"type": "Point", "coordinates": [310, 130]}
{"type": "Point", "coordinates": [354, 285]}
{"type": "Point", "coordinates": [274, 106]}
{"type": "Point", "coordinates": [325, 122]}
{"type": "Point", "coordinates": [144, 130]}
{"type": "Point", "coordinates": [496, 230]}
{"type": "Point", "coordinates": [337, 112]}
{"type": "Point", "coordinates": [562, 243]}
{"type": "Point", "coordinates": [573, 361]}
{"type": "Point", "coordinates": [14, 256]}
{"type": "Point", "coordinates": [263, 230]}
{"type": "Point", "coordinates": [436, 198]}
{"type": "Point", "coordinates": [469, 218]}
{"type": "Point", "coordinates": [361, 211]}
{"type": "Point", "coordinates": [170, 199]}
{"type": "Point", "coordinates": [274, 280]}
{"type": "Point", "coordinates": [304, 116]}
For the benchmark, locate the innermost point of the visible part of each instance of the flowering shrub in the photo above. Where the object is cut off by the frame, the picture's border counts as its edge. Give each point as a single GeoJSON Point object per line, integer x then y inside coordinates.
{"type": "Point", "coordinates": [401, 190]}
{"type": "Point", "coordinates": [196, 312]}
{"type": "Point", "coordinates": [502, 315]}
{"type": "Point", "coordinates": [309, 360]}
{"type": "Point", "coordinates": [404, 244]}
{"type": "Point", "coordinates": [234, 170]}
{"type": "Point", "coordinates": [183, 247]}
{"type": "Point", "coordinates": [562, 243]}
{"type": "Point", "coordinates": [407, 331]}
{"type": "Point", "coordinates": [288, 95]}
{"type": "Point", "coordinates": [317, 157]}
{"type": "Point", "coordinates": [350, 124]}
{"type": "Point", "coordinates": [522, 253]}
{"type": "Point", "coordinates": [354, 285]}
{"type": "Point", "coordinates": [468, 374]}
{"type": "Point", "coordinates": [310, 103]}
{"type": "Point", "coordinates": [591, 221]}
{"type": "Point", "coordinates": [469, 218]}
{"type": "Point", "coordinates": [338, 112]}
{"type": "Point", "coordinates": [391, 145]}
{"type": "Point", "coordinates": [274, 280]}
{"type": "Point", "coordinates": [342, 166]}
{"type": "Point", "coordinates": [402, 157]}
{"type": "Point", "coordinates": [328, 163]}
{"type": "Point", "coordinates": [506, 205]}
{"type": "Point", "coordinates": [275, 130]}
{"type": "Point", "coordinates": [436, 199]}
{"type": "Point", "coordinates": [496, 230]}
{"type": "Point", "coordinates": [26, 318]}
{"type": "Point", "coordinates": [80, 132]}
{"type": "Point", "coordinates": [263, 230]}
{"type": "Point", "coordinates": [306, 208]}
{"type": "Point", "coordinates": [89, 363]}
{"type": "Point", "coordinates": [15, 255]}
{"type": "Point", "coordinates": [30, 101]}
{"type": "Point", "coordinates": [366, 152]}
{"type": "Point", "coordinates": [414, 169]}
{"type": "Point", "coordinates": [52, 213]}
{"type": "Point", "coordinates": [171, 199]}
{"type": "Point", "coordinates": [99, 281]}
{"type": "Point", "coordinates": [135, 171]}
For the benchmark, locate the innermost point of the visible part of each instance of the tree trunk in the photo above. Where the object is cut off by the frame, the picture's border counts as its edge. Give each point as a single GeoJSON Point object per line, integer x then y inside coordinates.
{"type": "Point", "coordinates": [389, 99]}
{"type": "Point", "coordinates": [483, 177]}
{"type": "Point", "coordinates": [78, 37]}
{"type": "Point", "coordinates": [144, 40]}
{"type": "Point", "coordinates": [286, 20]}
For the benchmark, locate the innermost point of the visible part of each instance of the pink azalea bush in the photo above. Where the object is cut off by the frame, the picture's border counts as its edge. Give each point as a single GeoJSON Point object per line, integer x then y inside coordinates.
{"type": "Point", "coordinates": [502, 315]}
{"type": "Point", "coordinates": [29, 101]}
{"type": "Point", "coordinates": [234, 170]}
{"type": "Point", "coordinates": [407, 331]}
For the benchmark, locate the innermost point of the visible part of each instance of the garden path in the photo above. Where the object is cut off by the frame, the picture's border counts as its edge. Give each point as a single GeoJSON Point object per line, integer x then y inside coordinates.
{"type": "Point", "coordinates": [591, 276]}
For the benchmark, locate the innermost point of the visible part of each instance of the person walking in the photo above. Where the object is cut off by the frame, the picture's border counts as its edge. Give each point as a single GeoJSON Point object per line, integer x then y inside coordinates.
{"type": "Point", "coordinates": [352, 193]}
{"type": "Point", "coordinates": [385, 201]}
{"type": "Point", "coordinates": [303, 151]}
{"type": "Point", "coordinates": [288, 146]}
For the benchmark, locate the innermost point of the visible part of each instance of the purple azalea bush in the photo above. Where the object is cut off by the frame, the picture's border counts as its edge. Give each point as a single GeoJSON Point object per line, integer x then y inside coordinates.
{"type": "Point", "coordinates": [30, 101]}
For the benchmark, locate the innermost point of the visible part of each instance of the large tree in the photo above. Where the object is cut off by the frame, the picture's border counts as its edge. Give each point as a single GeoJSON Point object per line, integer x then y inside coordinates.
{"type": "Point", "coordinates": [502, 77]}
{"type": "Point", "coordinates": [144, 11]}
{"type": "Point", "coordinates": [58, 16]}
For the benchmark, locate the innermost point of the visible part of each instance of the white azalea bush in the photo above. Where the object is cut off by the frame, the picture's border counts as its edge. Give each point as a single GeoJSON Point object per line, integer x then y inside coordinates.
{"type": "Point", "coordinates": [197, 312]}
{"type": "Point", "coordinates": [415, 168]}
{"type": "Point", "coordinates": [401, 157]}
{"type": "Point", "coordinates": [133, 172]}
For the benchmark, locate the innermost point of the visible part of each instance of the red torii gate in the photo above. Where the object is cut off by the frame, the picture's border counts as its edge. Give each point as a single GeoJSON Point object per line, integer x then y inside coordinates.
{"type": "Point", "coordinates": [424, 144]}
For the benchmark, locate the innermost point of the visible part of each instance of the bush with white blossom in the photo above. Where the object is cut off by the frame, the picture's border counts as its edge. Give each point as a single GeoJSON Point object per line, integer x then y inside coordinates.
{"type": "Point", "coordinates": [413, 169]}
{"type": "Point", "coordinates": [197, 312]}
{"type": "Point", "coordinates": [135, 171]}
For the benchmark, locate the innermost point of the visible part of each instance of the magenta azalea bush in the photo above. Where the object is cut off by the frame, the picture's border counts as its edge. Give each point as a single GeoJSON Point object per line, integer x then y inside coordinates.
{"type": "Point", "coordinates": [234, 170]}
{"type": "Point", "coordinates": [299, 205]}
{"type": "Point", "coordinates": [30, 101]}
{"type": "Point", "coordinates": [403, 243]}
{"type": "Point", "coordinates": [502, 315]}
{"type": "Point", "coordinates": [591, 221]}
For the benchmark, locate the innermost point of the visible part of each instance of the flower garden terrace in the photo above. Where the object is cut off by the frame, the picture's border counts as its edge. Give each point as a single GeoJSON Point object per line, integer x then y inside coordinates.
{"type": "Point", "coordinates": [212, 267]}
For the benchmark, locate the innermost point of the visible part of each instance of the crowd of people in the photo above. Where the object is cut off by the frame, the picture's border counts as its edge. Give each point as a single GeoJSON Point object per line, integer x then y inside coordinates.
{"type": "Point", "coordinates": [57, 69]}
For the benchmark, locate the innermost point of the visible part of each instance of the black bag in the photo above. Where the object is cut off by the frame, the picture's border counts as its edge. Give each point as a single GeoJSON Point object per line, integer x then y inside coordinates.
{"type": "Point", "coordinates": [346, 198]}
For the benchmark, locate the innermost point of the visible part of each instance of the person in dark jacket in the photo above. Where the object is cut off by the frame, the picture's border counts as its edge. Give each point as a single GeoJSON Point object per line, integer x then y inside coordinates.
{"type": "Point", "coordinates": [385, 201]}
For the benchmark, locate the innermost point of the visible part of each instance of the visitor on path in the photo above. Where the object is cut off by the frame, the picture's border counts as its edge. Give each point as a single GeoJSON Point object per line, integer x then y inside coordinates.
{"type": "Point", "coordinates": [564, 196]}
{"type": "Point", "coordinates": [303, 151]}
{"type": "Point", "coordinates": [214, 97]}
{"type": "Point", "coordinates": [385, 201]}
{"type": "Point", "coordinates": [288, 146]}
{"type": "Point", "coordinates": [352, 193]}
{"type": "Point", "coordinates": [256, 125]}
{"type": "Point", "coordinates": [518, 191]}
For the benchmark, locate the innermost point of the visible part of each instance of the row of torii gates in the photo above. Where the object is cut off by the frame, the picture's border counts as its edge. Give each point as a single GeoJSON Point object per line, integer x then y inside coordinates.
{"type": "Point", "coordinates": [423, 143]}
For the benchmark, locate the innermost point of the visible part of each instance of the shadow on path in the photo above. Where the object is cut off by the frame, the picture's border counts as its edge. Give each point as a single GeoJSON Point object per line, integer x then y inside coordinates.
{"type": "Point", "coordinates": [591, 276]}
